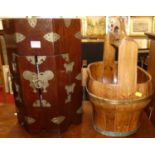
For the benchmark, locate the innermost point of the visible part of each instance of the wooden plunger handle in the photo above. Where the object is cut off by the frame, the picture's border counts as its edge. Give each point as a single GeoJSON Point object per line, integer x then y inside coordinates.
{"type": "Point", "coordinates": [127, 67]}
{"type": "Point", "coordinates": [108, 59]}
{"type": "Point", "coordinates": [109, 51]}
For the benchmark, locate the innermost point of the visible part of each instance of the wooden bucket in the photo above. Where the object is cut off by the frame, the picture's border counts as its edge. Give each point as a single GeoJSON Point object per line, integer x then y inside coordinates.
{"type": "Point", "coordinates": [118, 105]}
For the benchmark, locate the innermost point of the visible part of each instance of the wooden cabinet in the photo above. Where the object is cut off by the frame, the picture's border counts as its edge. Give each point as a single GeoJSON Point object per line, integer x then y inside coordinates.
{"type": "Point", "coordinates": [45, 62]}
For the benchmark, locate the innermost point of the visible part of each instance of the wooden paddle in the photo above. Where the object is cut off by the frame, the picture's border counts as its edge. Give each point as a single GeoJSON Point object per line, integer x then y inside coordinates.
{"type": "Point", "coordinates": [127, 67]}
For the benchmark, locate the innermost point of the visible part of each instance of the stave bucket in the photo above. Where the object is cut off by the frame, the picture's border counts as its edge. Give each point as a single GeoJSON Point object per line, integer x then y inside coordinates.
{"type": "Point", "coordinates": [117, 101]}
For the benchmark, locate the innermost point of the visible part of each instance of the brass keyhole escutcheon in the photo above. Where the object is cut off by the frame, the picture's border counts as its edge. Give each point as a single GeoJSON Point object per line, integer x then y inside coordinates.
{"type": "Point", "coordinates": [38, 83]}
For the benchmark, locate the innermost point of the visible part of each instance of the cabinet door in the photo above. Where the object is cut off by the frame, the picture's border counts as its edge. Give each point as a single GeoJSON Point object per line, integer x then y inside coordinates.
{"type": "Point", "coordinates": [50, 89]}
{"type": "Point", "coordinates": [64, 91]}
{"type": "Point", "coordinates": [27, 93]}
{"type": "Point", "coordinates": [57, 115]}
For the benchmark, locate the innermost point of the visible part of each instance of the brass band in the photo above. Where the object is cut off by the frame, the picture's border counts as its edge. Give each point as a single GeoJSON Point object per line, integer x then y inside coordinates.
{"type": "Point", "coordinates": [113, 133]}
{"type": "Point", "coordinates": [105, 100]}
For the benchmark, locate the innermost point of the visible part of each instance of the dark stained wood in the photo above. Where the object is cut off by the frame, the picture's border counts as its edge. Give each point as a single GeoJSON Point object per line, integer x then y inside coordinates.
{"type": "Point", "coordinates": [150, 35]}
{"type": "Point", "coordinates": [68, 44]}
{"type": "Point", "coordinates": [151, 67]}
{"type": "Point", "coordinates": [31, 34]}
{"type": "Point", "coordinates": [1, 53]}
{"type": "Point", "coordinates": [1, 32]}
{"type": "Point", "coordinates": [10, 128]}
{"type": "Point", "coordinates": [2, 81]}
{"type": "Point", "coordinates": [65, 44]}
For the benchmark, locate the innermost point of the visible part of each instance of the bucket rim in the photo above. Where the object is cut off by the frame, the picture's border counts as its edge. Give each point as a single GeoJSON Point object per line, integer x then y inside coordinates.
{"type": "Point", "coordinates": [111, 84]}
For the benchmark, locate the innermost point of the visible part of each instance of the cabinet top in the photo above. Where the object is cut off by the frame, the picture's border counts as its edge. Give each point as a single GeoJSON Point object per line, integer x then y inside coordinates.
{"type": "Point", "coordinates": [150, 35]}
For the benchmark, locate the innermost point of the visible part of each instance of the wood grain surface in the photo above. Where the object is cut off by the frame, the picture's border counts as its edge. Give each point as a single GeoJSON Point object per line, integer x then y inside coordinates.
{"type": "Point", "coordinates": [127, 68]}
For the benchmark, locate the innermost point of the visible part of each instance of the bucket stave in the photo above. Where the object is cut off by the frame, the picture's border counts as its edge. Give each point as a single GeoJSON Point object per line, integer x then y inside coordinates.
{"type": "Point", "coordinates": [117, 117]}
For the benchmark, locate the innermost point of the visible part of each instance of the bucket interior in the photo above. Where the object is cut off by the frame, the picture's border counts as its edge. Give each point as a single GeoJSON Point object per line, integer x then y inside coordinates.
{"type": "Point", "coordinates": [97, 73]}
